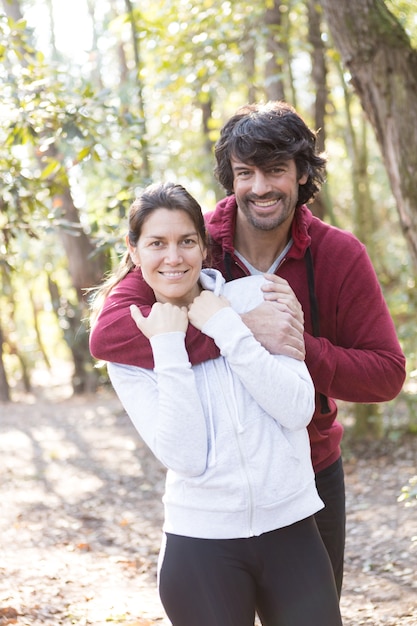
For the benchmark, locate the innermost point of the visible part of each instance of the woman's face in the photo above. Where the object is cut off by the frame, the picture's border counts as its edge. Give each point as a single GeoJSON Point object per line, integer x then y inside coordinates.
{"type": "Point", "coordinates": [170, 254]}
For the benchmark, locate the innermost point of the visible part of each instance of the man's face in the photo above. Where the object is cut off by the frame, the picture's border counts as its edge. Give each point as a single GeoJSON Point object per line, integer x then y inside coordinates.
{"type": "Point", "coordinates": [266, 197]}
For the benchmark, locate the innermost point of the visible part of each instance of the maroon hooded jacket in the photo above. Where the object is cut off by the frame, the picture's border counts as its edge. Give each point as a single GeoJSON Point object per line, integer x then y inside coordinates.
{"type": "Point", "coordinates": [352, 351]}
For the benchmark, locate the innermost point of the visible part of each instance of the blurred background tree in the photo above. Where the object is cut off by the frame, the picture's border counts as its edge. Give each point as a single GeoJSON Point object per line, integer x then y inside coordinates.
{"type": "Point", "coordinates": [101, 97]}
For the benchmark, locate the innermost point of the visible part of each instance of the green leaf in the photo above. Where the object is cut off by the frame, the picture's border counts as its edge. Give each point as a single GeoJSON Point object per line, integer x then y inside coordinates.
{"type": "Point", "coordinates": [52, 168]}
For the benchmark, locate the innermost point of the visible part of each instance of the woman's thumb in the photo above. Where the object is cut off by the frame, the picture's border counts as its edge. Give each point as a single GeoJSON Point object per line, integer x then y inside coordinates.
{"type": "Point", "coordinates": [136, 314]}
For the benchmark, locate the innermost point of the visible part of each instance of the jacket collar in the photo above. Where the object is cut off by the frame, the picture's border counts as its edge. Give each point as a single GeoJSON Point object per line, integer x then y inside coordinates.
{"type": "Point", "coordinates": [221, 227]}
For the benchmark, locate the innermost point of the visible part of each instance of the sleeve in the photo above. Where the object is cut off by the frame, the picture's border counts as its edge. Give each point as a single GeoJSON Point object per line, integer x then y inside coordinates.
{"type": "Point", "coordinates": [116, 338]}
{"type": "Point", "coordinates": [365, 362]}
{"type": "Point", "coordinates": [165, 406]}
{"type": "Point", "coordinates": [281, 385]}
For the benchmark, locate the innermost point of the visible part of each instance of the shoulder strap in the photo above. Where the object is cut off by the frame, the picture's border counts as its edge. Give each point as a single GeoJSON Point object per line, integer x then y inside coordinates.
{"type": "Point", "coordinates": [315, 317]}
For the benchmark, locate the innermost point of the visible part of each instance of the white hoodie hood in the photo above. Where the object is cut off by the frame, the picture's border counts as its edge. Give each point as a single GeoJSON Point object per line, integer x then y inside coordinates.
{"type": "Point", "coordinates": [244, 294]}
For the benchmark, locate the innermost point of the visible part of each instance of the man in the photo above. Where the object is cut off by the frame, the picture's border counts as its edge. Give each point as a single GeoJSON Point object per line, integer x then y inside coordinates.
{"type": "Point", "coordinates": [267, 162]}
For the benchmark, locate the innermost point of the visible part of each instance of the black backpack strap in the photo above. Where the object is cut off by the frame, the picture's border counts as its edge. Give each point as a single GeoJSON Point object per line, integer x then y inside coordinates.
{"type": "Point", "coordinates": [315, 318]}
{"type": "Point", "coordinates": [228, 266]}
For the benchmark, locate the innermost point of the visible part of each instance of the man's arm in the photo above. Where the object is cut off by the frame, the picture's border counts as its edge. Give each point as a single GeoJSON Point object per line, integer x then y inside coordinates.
{"type": "Point", "coordinates": [115, 336]}
{"type": "Point", "coordinates": [363, 362]}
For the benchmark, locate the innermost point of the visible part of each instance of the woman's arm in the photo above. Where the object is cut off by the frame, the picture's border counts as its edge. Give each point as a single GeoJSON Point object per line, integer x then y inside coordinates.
{"type": "Point", "coordinates": [165, 406]}
{"type": "Point", "coordinates": [281, 385]}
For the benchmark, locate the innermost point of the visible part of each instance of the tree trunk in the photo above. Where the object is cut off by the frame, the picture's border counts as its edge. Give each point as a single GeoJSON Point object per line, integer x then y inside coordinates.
{"type": "Point", "coordinates": [4, 385]}
{"type": "Point", "coordinates": [383, 65]}
{"type": "Point", "coordinates": [249, 58]}
{"type": "Point", "coordinates": [86, 271]}
{"type": "Point", "coordinates": [318, 71]}
{"type": "Point", "coordinates": [319, 77]}
{"type": "Point", "coordinates": [70, 317]}
{"type": "Point", "coordinates": [275, 48]}
{"type": "Point", "coordinates": [369, 424]}
{"type": "Point", "coordinates": [146, 166]}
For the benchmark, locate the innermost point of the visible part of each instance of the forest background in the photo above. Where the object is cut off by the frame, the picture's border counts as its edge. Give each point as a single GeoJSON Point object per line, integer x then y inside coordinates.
{"type": "Point", "coordinates": [101, 97]}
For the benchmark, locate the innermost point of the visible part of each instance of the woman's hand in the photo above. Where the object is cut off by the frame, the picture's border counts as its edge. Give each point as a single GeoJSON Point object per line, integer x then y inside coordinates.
{"type": "Point", "coordinates": [163, 318]}
{"type": "Point", "coordinates": [204, 307]}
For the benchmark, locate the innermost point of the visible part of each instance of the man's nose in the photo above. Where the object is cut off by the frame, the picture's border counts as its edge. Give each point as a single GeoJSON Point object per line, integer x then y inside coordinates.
{"type": "Point", "coordinates": [261, 184]}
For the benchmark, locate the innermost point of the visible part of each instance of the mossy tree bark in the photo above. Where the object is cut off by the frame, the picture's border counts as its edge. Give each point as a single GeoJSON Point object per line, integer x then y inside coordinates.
{"type": "Point", "coordinates": [383, 67]}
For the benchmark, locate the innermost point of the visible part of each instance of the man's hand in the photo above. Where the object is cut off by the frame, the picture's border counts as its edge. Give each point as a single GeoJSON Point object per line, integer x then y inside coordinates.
{"type": "Point", "coordinates": [163, 318]}
{"type": "Point", "coordinates": [278, 290]}
{"type": "Point", "coordinates": [278, 323]}
{"type": "Point", "coordinates": [205, 306]}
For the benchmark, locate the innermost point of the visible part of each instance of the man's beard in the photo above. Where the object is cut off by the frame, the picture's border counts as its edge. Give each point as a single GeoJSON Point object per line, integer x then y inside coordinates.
{"type": "Point", "coordinates": [267, 223]}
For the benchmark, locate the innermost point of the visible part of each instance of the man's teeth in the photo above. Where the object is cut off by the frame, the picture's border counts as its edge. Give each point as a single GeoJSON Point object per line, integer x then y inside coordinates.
{"type": "Point", "coordinates": [266, 203]}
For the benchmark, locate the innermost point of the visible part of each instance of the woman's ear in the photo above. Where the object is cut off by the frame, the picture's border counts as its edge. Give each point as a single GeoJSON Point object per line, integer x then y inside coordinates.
{"type": "Point", "coordinates": [133, 253]}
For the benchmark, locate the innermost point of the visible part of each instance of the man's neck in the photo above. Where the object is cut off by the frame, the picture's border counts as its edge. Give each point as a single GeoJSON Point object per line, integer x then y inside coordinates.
{"type": "Point", "coordinates": [260, 247]}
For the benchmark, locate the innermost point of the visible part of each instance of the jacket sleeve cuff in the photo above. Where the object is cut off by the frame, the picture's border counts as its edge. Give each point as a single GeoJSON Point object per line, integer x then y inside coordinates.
{"type": "Point", "coordinates": [224, 326]}
{"type": "Point", "coordinates": [169, 350]}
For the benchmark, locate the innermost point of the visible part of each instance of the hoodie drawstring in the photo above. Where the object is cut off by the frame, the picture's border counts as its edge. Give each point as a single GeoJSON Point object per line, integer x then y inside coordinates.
{"type": "Point", "coordinates": [212, 454]}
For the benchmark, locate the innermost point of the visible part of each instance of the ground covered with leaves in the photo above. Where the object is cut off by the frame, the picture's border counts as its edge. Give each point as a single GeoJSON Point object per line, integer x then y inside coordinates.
{"type": "Point", "coordinates": [81, 516]}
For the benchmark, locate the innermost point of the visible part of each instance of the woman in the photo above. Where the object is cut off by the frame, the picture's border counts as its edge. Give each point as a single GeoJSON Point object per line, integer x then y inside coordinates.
{"type": "Point", "coordinates": [240, 491]}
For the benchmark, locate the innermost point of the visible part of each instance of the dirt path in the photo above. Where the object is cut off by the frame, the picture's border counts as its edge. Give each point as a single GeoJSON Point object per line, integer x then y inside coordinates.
{"type": "Point", "coordinates": [81, 517]}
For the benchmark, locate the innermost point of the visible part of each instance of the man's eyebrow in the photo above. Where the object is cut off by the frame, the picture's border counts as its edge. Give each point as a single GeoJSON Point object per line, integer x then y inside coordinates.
{"type": "Point", "coordinates": [265, 166]}
{"type": "Point", "coordinates": [242, 166]}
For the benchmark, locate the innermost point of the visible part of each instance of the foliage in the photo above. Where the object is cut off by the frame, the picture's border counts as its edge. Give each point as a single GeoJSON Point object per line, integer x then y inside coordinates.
{"type": "Point", "coordinates": [409, 492]}
{"type": "Point", "coordinates": [51, 129]}
{"type": "Point", "coordinates": [406, 14]}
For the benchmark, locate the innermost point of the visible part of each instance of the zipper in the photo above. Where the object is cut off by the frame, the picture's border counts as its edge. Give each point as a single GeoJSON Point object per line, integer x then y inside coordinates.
{"type": "Point", "coordinates": [238, 429]}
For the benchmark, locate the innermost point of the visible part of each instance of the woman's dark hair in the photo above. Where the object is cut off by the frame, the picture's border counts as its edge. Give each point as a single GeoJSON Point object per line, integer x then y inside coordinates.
{"type": "Point", "coordinates": [169, 196]}
{"type": "Point", "coordinates": [166, 195]}
{"type": "Point", "coordinates": [263, 134]}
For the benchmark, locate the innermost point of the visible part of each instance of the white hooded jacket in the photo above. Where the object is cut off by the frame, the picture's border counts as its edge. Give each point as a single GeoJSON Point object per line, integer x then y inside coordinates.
{"type": "Point", "coordinates": [231, 431]}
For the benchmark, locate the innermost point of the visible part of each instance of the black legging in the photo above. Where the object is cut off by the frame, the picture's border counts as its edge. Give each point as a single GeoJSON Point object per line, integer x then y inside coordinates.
{"type": "Point", "coordinates": [285, 575]}
{"type": "Point", "coordinates": [331, 520]}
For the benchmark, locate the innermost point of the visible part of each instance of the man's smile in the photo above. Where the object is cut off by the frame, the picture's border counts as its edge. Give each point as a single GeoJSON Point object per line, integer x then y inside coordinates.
{"type": "Point", "coordinates": [264, 204]}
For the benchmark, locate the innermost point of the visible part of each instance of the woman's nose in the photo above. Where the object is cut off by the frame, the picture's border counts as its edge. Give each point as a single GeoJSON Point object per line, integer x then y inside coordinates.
{"type": "Point", "coordinates": [173, 255]}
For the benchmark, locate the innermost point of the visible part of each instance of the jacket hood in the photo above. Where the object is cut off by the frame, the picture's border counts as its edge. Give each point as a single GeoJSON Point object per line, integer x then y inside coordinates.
{"type": "Point", "coordinates": [212, 280]}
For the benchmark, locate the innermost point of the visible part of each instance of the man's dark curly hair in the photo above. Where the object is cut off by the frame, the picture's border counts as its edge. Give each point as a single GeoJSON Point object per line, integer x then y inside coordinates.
{"type": "Point", "coordinates": [263, 134]}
